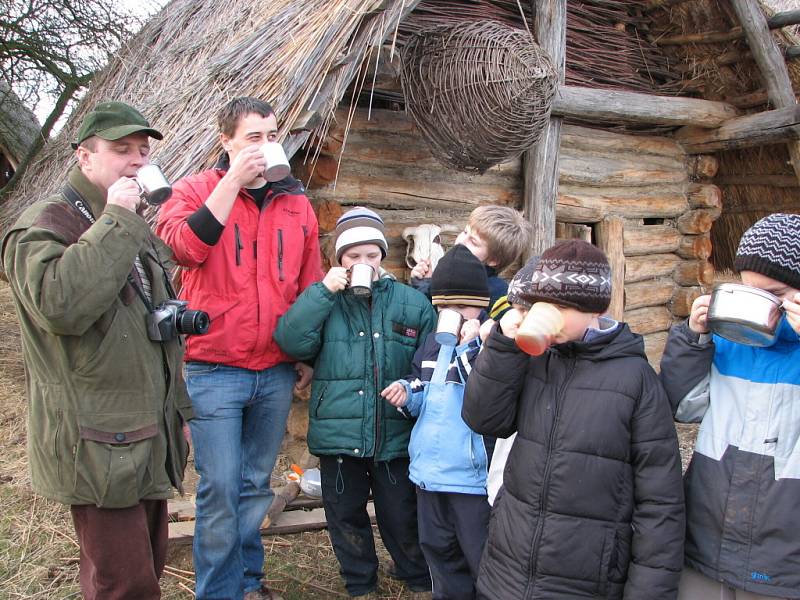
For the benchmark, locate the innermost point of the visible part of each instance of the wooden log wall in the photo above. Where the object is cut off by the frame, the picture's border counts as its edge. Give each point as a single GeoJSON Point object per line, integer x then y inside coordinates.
{"type": "Point", "coordinates": [646, 187]}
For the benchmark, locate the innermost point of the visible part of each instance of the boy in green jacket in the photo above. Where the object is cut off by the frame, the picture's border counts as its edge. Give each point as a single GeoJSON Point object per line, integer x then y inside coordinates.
{"type": "Point", "coordinates": [359, 344]}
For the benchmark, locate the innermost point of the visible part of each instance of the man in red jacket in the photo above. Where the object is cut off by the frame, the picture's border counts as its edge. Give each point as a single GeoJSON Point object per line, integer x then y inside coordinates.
{"type": "Point", "coordinates": [248, 248]}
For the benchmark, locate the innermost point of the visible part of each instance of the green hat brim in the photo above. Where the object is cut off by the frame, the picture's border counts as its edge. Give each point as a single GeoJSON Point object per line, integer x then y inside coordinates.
{"type": "Point", "coordinates": [115, 133]}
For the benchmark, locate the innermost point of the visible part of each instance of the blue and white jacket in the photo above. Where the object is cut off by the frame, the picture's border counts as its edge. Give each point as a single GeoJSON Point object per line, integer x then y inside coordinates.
{"type": "Point", "coordinates": [446, 455]}
{"type": "Point", "coordinates": [743, 483]}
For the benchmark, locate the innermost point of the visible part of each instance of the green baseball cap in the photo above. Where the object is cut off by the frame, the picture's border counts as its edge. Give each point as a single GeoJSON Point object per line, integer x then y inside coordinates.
{"type": "Point", "coordinates": [112, 121]}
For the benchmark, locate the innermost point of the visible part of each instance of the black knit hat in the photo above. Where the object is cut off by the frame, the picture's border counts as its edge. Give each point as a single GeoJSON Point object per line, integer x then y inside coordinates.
{"type": "Point", "coordinates": [772, 247]}
{"type": "Point", "coordinates": [460, 278]}
{"type": "Point", "coordinates": [570, 273]}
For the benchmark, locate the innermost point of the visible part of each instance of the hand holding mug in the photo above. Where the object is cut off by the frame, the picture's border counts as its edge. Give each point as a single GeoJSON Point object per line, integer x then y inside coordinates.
{"type": "Point", "coordinates": [699, 314]}
{"type": "Point", "coordinates": [792, 309]}
{"type": "Point", "coordinates": [247, 166]}
{"type": "Point", "coordinates": [335, 279]}
{"type": "Point", "coordinates": [470, 330]}
{"type": "Point", "coordinates": [422, 269]}
{"type": "Point", "coordinates": [124, 192]}
{"type": "Point", "coordinates": [510, 322]}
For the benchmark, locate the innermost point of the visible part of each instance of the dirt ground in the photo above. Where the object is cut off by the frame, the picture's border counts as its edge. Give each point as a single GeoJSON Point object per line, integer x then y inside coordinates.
{"type": "Point", "coordinates": [38, 551]}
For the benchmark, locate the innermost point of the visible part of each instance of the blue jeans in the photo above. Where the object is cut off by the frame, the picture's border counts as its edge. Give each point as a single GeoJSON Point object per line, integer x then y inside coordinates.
{"type": "Point", "coordinates": [237, 430]}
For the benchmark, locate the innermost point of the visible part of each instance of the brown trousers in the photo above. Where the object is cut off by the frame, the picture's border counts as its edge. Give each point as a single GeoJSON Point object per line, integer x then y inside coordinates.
{"type": "Point", "coordinates": [123, 550]}
{"type": "Point", "coordinates": [695, 586]}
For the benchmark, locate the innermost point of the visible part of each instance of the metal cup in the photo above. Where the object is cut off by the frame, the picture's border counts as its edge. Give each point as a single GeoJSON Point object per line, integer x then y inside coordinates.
{"type": "Point", "coordinates": [277, 164]}
{"type": "Point", "coordinates": [153, 184]}
{"type": "Point", "coordinates": [361, 275]}
{"type": "Point", "coordinates": [448, 327]}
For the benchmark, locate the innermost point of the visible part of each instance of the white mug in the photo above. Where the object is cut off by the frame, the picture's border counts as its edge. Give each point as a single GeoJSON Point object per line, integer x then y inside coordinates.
{"type": "Point", "coordinates": [277, 164]}
{"type": "Point", "coordinates": [153, 184]}
{"type": "Point", "coordinates": [448, 328]}
{"type": "Point", "coordinates": [361, 275]}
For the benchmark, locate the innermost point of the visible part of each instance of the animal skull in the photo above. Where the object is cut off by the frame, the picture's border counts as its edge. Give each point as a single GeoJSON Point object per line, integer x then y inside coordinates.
{"type": "Point", "coordinates": [423, 244]}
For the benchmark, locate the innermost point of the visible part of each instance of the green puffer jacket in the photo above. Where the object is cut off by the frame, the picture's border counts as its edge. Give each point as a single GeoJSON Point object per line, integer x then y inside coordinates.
{"type": "Point", "coordinates": [105, 411]}
{"type": "Point", "coordinates": [357, 347]}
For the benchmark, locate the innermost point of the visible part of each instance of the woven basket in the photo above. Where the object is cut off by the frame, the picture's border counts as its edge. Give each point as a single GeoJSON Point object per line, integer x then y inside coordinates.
{"type": "Point", "coordinates": [480, 92]}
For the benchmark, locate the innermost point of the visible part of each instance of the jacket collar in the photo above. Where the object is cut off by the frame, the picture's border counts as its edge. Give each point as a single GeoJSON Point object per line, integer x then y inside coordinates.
{"type": "Point", "coordinates": [87, 190]}
{"type": "Point", "coordinates": [287, 185]}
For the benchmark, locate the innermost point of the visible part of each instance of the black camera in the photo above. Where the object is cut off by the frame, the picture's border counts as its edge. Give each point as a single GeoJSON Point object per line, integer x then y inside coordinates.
{"type": "Point", "coordinates": [171, 318]}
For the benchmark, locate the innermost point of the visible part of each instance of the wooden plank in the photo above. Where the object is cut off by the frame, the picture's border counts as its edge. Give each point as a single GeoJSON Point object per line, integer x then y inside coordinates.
{"type": "Point", "coordinates": [610, 235]}
{"type": "Point", "coordinates": [654, 344]}
{"type": "Point", "coordinates": [651, 292]}
{"type": "Point", "coordinates": [704, 195]}
{"type": "Point", "coordinates": [770, 61]}
{"type": "Point", "coordinates": [633, 203]}
{"type": "Point", "coordinates": [777, 21]}
{"type": "Point", "coordinates": [703, 166]}
{"type": "Point", "coordinates": [540, 164]}
{"type": "Point", "coordinates": [760, 129]}
{"type": "Point", "coordinates": [295, 521]}
{"type": "Point", "coordinates": [694, 272]}
{"type": "Point", "coordinates": [647, 239]}
{"type": "Point", "coordinates": [649, 319]}
{"type": "Point", "coordinates": [695, 246]}
{"type": "Point", "coordinates": [640, 268]}
{"type": "Point", "coordinates": [698, 221]}
{"type": "Point", "coordinates": [598, 105]}
{"type": "Point", "coordinates": [682, 299]}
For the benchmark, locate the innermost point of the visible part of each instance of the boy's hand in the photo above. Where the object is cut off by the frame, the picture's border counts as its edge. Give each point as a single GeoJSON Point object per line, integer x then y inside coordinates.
{"type": "Point", "coordinates": [470, 330]}
{"type": "Point", "coordinates": [304, 375]}
{"type": "Point", "coordinates": [699, 314]}
{"type": "Point", "coordinates": [792, 308]}
{"type": "Point", "coordinates": [511, 321]}
{"type": "Point", "coordinates": [486, 329]}
{"type": "Point", "coordinates": [335, 279]}
{"type": "Point", "coordinates": [395, 394]}
{"type": "Point", "coordinates": [422, 269]}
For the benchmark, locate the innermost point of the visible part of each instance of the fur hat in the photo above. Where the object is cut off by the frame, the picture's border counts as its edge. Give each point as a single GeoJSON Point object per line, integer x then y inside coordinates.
{"type": "Point", "coordinates": [570, 273]}
{"type": "Point", "coordinates": [359, 226]}
{"type": "Point", "coordinates": [460, 278]}
{"type": "Point", "coordinates": [772, 247]}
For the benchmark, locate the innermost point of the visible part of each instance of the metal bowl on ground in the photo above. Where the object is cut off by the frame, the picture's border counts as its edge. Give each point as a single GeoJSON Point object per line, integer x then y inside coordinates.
{"type": "Point", "coordinates": [744, 314]}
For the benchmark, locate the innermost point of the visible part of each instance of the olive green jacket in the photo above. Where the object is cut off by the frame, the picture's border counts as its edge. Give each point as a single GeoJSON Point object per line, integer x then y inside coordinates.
{"type": "Point", "coordinates": [106, 405]}
{"type": "Point", "coordinates": [358, 347]}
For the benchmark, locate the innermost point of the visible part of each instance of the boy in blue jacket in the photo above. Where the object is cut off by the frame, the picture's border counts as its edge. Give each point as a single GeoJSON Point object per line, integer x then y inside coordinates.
{"type": "Point", "coordinates": [448, 459]}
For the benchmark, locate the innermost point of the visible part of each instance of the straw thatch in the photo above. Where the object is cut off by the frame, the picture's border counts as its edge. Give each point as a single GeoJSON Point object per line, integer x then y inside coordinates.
{"type": "Point", "coordinates": [18, 125]}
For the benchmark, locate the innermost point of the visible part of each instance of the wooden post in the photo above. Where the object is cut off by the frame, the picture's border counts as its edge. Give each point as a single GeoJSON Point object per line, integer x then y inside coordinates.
{"type": "Point", "coordinates": [770, 62]}
{"type": "Point", "coordinates": [610, 236]}
{"type": "Point", "coordinates": [541, 161]}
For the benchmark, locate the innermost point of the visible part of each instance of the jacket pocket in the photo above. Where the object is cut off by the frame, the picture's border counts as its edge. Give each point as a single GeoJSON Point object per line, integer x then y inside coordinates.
{"type": "Point", "coordinates": [113, 458]}
{"type": "Point", "coordinates": [95, 343]}
{"type": "Point", "coordinates": [316, 399]}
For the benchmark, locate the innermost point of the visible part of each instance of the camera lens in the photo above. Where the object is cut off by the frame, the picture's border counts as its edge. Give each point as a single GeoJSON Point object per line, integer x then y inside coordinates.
{"type": "Point", "coordinates": [193, 322]}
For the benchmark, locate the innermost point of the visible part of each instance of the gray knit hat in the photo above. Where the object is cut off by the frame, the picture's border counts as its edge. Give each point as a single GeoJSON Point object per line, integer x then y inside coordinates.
{"type": "Point", "coordinates": [772, 247]}
{"type": "Point", "coordinates": [570, 273]}
{"type": "Point", "coordinates": [359, 226]}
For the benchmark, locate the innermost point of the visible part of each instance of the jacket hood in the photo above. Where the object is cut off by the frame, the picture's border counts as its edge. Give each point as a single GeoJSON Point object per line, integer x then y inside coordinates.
{"type": "Point", "coordinates": [621, 342]}
{"type": "Point", "coordinates": [287, 185]}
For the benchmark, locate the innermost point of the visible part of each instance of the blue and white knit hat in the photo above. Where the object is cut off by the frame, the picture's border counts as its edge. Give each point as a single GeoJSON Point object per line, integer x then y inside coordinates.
{"type": "Point", "coordinates": [772, 247]}
{"type": "Point", "coordinates": [359, 226]}
{"type": "Point", "coordinates": [570, 273]}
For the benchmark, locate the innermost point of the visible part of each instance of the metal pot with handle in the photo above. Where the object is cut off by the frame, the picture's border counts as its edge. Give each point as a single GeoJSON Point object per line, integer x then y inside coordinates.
{"type": "Point", "coordinates": [744, 314]}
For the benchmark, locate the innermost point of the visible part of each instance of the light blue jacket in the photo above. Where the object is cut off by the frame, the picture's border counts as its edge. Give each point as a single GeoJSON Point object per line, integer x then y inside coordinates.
{"type": "Point", "coordinates": [446, 455]}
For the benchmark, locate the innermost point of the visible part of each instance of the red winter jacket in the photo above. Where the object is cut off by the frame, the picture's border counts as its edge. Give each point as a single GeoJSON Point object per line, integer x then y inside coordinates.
{"type": "Point", "coordinates": [249, 278]}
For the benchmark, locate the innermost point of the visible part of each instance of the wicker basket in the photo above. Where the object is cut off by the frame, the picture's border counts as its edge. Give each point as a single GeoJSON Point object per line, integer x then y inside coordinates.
{"type": "Point", "coordinates": [479, 92]}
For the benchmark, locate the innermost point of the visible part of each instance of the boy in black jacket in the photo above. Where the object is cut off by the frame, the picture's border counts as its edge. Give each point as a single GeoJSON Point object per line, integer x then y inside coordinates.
{"type": "Point", "coordinates": [592, 503]}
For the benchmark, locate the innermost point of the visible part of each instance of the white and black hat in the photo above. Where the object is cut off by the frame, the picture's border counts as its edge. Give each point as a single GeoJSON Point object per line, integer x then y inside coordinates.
{"type": "Point", "coordinates": [359, 226]}
{"type": "Point", "coordinates": [772, 247]}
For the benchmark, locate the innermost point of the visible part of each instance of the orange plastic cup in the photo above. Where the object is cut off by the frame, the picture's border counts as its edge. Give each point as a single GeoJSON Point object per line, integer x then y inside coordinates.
{"type": "Point", "coordinates": [539, 328]}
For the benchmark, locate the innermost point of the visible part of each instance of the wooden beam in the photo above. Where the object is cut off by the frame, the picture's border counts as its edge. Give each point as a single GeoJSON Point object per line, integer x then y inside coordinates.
{"type": "Point", "coordinates": [541, 161]}
{"type": "Point", "coordinates": [610, 236]}
{"type": "Point", "coordinates": [760, 129]}
{"type": "Point", "coordinates": [770, 62]}
{"type": "Point", "coordinates": [777, 21]}
{"type": "Point", "coordinates": [631, 107]}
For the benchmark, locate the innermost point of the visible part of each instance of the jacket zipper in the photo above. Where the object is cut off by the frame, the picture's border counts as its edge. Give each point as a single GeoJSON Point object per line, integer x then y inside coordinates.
{"type": "Point", "coordinates": [546, 479]}
{"type": "Point", "coordinates": [280, 255]}
{"type": "Point", "coordinates": [376, 377]}
{"type": "Point", "coordinates": [239, 246]}
{"type": "Point", "coordinates": [59, 419]}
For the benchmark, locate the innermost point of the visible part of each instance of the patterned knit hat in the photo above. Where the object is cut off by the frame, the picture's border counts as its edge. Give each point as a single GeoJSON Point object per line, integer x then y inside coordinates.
{"type": "Point", "coordinates": [359, 226]}
{"type": "Point", "coordinates": [570, 273]}
{"type": "Point", "coordinates": [772, 247]}
{"type": "Point", "coordinates": [460, 278]}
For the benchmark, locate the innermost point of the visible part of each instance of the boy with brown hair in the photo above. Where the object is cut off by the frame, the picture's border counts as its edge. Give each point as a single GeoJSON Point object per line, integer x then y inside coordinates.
{"type": "Point", "coordinates": [498, 236]}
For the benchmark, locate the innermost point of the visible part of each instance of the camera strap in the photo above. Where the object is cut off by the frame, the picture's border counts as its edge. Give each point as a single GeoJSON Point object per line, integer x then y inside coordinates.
{"type": "Point", "coordinates": [74, 198]}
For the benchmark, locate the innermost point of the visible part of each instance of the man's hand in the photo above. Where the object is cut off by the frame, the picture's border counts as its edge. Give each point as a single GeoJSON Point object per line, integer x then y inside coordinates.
{"type": "Point", "coordinates": [304, 375]}
{"type": "Point", "coordinates": [395, 394]}
{"type": "Point", "coordinates": [187, 433]}
{"type": "Point", "coordinates": [248, 165]}
{"type": "Point", "coordinates": [699, 314]}
{"type": "Point", "coordinates": [486, 329]}
{"type": "Point", "coordinates": [335, 279]}
{"type": "Point", "coordinates": [511, 321]}
{"type": "Point", "coordinates": [470, 330]}
{"type": "Point", "coordinates": [422, 269]}
{"type": "Point", "coordinates": [792, 308]}
{"type": "Point", "coordinates": [124, 192]}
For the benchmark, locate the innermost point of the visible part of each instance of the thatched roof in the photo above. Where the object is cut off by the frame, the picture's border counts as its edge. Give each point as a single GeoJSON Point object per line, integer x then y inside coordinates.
{"type": "Point", "coordinates": [18, 125]}
{"type": "Point", "coordinates": [196, 54]}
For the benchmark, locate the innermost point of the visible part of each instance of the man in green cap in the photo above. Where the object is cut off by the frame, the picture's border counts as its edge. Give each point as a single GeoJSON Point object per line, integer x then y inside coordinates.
{"type": "Point", "coordinates": [106, 404]}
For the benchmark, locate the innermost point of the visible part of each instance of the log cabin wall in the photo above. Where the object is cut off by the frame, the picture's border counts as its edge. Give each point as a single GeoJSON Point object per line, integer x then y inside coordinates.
{"type": "Point", "coordinates": [644, 185]}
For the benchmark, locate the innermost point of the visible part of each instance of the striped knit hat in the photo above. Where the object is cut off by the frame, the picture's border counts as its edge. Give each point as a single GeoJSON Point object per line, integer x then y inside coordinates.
{"type": "Point", "coordinates": [772, 247]}
{"type": "Point", "coordinates": [570, 273]}
{"type": "Point", "coordinates": [460, 278]}
{"type": "Point", "coordinates": [359, 226]}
